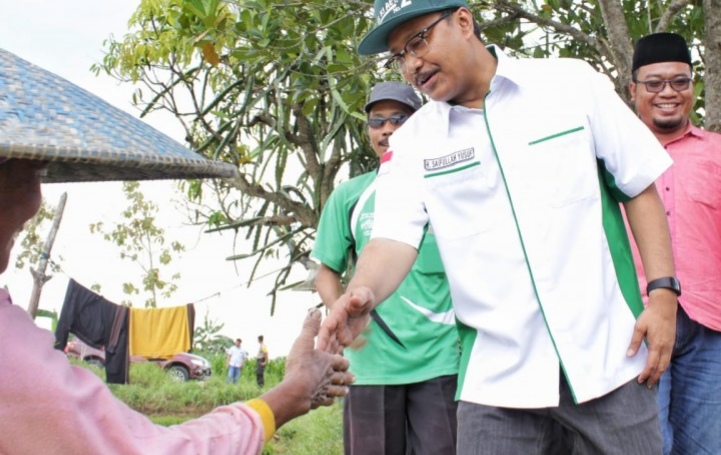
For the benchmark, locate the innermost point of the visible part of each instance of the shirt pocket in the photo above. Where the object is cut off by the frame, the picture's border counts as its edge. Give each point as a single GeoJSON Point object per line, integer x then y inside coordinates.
{"type": "Point", "coordinates": [702, 184]}
{"type": "Point", "coordinates": [563, 167]}
{"type": "Point", "coordinates": [460, 201]}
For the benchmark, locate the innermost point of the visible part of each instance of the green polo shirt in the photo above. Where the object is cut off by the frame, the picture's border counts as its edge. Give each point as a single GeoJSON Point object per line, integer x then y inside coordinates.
{"type": "Point", "coordinates": [420, 312]}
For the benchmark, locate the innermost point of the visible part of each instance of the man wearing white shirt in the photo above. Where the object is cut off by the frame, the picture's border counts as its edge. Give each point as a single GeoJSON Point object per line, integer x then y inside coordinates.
{"type": "Point", "coordinates": [235, 360]}
{"type": "Point", "coordinates": [520, 166]}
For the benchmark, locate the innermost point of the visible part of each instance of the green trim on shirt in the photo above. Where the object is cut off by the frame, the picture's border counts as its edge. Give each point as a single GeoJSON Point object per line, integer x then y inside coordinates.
{"type": "Point", "coordinates": [609, 182]}
{"type": "Point", "coordinates": [450, 171]}
{"type": "Point", "coordinates": [553, 136]}
{"type": "Point", "coordinates": [619, 247]}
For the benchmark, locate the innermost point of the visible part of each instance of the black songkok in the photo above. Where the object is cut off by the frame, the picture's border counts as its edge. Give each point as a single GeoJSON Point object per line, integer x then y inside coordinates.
{"type": "Point", "coordinates": [660, 47]}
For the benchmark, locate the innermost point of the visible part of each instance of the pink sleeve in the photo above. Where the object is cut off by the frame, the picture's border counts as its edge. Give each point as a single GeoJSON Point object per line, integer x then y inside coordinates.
{"type": "Point", "coordinates": [49, 406]}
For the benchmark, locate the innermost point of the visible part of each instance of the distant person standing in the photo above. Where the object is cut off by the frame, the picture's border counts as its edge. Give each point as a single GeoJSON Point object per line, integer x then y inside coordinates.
{"type": "Point", "coordinates": [262, 361]}
{"type": "Point", "coordinates": [689, 393]}
{"type": "Point", "coordinates": [234, 361]}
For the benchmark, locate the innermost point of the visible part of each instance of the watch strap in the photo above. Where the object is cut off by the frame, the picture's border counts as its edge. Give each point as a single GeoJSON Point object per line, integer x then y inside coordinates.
{"type": "Point", "coordinates": [667, 282]}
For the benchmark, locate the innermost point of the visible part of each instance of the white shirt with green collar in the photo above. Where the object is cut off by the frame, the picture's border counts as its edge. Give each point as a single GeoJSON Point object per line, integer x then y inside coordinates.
{"type": "Point", "coordinates": [523, 198]}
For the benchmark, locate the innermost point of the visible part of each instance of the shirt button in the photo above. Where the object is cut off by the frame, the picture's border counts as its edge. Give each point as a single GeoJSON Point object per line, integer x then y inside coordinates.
{"type": "Point", "coordinates": [668, 189]}
{"type": "Point", "coordinates": [668, 213]}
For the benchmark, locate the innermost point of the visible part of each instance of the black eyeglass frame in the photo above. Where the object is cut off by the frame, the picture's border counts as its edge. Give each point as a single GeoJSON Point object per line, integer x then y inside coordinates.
{"type": "Point", "coordinates": [678, 84]}
{"type": "Point", "coordinates": [396, 61]}
{"type": "Point", "coordinates": [379, 122]}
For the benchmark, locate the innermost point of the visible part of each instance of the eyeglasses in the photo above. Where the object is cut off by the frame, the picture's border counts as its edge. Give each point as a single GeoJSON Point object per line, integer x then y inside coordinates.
{"type": "Point", "coordinates": [378, 122]}
{"type": "Point", "coordinates": [417, 46]}
{"type": "Point", "coordinates": [680, 84]}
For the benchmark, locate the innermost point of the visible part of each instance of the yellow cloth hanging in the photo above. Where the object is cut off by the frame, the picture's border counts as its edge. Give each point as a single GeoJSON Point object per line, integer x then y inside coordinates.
{"type": "Point", "coordinates": [159, 333]}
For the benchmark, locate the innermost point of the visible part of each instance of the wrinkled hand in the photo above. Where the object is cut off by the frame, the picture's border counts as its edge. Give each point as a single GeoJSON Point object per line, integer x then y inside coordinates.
{"type": "Point", "coordinates": [312, 377]}
{"type": "Point", "coordinates": [320, 376]}
{"type": "Point", "coordinates": [657, 324]}
{"type": "Point", "coordinates": [349, 316]}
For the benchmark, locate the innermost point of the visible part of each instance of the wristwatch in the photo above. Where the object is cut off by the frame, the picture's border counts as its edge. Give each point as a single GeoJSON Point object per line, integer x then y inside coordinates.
{"type": "Point", "coordinates": [667, 282]}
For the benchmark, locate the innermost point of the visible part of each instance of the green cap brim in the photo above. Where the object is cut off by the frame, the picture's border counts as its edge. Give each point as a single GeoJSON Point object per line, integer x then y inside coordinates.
{"type": "Point", "coordinates": [376, 41]}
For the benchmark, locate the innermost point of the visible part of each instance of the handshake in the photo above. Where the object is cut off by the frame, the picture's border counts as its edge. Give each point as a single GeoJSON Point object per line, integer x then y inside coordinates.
{"type": "Point", "coordinates": [316, 376]}
{"type": "Point", "coordinates": [313, 377]}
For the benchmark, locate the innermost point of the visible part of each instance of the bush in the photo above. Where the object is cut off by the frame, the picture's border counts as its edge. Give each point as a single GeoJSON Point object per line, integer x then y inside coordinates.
{"type": "Point", "coordinates": [217, 362]}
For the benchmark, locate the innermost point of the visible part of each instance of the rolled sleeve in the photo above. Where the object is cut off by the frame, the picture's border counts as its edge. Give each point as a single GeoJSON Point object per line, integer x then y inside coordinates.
{"type": "Point", "coordinates": [631, 154]}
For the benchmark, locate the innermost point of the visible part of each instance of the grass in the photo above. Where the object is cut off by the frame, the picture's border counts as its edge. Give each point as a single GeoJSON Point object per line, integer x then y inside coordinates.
{"type": "Point", "coordinates": [167, 402]}
{"type": "Point", "coordinates": [320, 432]}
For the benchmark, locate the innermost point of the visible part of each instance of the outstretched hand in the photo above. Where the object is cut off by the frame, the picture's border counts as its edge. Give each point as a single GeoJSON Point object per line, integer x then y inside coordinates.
{"type": "Point", "coordinates": [326, 375]}
{"type": "Point", "coordinates": [347, 319]}
{"type": "Point", "coordinates": [312, 378]}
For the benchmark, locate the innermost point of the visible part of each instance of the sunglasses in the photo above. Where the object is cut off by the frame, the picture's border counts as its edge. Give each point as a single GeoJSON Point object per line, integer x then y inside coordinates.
{"type": "Point", "coordinates": [378, 122]}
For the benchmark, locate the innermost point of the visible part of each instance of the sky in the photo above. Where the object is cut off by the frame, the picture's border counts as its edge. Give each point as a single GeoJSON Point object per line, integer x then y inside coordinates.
{"type": "Point", "coordinates": [66, 37]}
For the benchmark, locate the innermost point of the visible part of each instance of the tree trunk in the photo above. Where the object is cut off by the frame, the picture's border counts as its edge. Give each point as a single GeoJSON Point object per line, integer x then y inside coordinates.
{"type": "Point", "coordinates": [712, 64]}
{"type": "Point", "coordinates": [39, 277]}
{"type": "Point", "coordinates": [619, 42]}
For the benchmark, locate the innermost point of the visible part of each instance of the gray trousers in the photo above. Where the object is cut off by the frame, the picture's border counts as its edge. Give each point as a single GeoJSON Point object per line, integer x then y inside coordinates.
{"type": "Point", "coordinates": [408, 419]}
{"type": "Point", "coordinates": [622, 422]}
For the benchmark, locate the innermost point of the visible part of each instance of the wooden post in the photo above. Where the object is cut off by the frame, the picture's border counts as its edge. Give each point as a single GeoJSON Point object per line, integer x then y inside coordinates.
{"type": "Point", "coordinates": [39, 277]}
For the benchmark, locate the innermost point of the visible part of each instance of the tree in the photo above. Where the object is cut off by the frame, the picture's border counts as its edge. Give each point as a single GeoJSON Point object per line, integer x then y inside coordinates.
{"type": "Point", "coordinates": [31, 239]}
{"type": "Point", "coordinates": [143, 243]}
{"type": "Point", "coordinates": [207, 337]}
{"type": "Point", "coordinates": [276, 87]}
{"type": "Point", "coordinates": [39, 276]}
{"type": "Point", "coordinates": [273, 87]}
{"type": "Point", "coordinates": [35, 251]}
{"type": "Point", "coordinates": [603, 32]}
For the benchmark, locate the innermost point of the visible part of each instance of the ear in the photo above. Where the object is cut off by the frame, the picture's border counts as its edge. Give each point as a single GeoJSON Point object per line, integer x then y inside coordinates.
{"type": "Point", "coordinates": [632, 86]}
{"type": "Point", "coordinates": [464, 19]}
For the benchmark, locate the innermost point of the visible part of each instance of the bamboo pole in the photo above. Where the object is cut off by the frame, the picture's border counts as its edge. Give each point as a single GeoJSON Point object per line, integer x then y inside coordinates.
{"type": "Point", "coordinates": [39, 276]}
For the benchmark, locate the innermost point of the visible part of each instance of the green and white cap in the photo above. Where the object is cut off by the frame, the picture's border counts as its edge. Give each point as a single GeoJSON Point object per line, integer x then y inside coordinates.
{"type": "Point", "coordinates": [389, 14]}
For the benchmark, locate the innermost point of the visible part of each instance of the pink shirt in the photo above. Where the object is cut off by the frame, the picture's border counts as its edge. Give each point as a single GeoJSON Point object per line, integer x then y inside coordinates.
{"type": "Point", "coordinates": [691, 193]}
{"type": "Point", "coordinates": [49, 406]}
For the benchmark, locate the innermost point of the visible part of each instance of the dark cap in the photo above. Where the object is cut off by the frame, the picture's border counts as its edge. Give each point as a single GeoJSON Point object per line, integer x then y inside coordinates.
{"type": "Point", "coordinates": [660, 47]}
{"type": "Point", "coordinates": [389, 14]}
{"type": "Point", "coordinates": [394, 91]}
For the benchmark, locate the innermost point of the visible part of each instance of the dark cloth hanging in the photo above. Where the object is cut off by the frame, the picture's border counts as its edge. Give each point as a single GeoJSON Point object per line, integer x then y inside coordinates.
{"type": "Point", "coordinates": [191, 323]}
{"type": "Point", "coordinates": [100, 324]}
{"type": "Point", "coordinates": [116, 370]}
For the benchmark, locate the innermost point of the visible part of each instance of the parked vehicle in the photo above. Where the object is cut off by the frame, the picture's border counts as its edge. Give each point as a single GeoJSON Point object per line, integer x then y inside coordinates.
{"type": "Point", "coordinates": [181, 367]}
{"type": "Point", "coordinates": [79, 349]}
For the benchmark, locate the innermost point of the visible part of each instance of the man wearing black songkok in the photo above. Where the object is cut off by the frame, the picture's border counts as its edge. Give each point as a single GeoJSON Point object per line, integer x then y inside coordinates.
{"type": "Point", "coordinates": [690, 390]}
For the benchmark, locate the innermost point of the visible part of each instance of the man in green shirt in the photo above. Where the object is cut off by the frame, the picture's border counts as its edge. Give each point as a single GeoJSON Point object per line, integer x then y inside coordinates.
{"type": "Point", "coordinates": [403, 400]}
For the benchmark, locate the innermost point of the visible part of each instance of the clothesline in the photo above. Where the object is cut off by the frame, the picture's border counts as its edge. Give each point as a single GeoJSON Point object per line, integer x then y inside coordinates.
{"type": "Point", "coordinates": [196, 301]}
